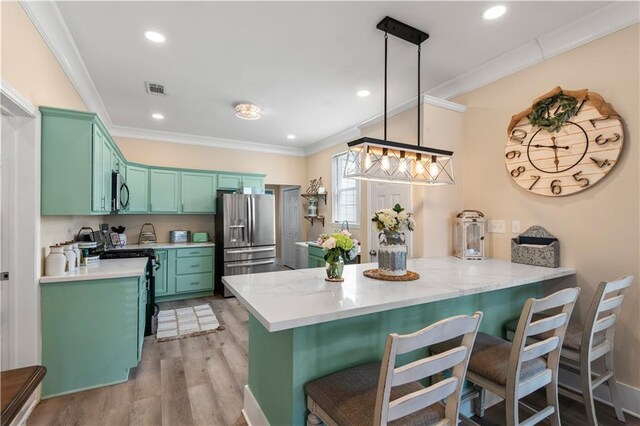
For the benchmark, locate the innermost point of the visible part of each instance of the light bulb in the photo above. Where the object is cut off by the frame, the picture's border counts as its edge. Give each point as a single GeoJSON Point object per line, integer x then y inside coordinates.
{"type": "Point", "coordinates": [433, 167]}
{"type": "Point", "coordinates": [385, 162]}
{"type": "Point", "coordinates": [419, 167]}
{"type": "Point", "coordinates": [402, 166]}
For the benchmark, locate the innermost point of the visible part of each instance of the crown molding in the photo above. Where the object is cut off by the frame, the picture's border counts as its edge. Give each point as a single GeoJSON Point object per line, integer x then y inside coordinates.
{"type": "Point", "coordinates": [21, 105]}
{"type": "Point", "coordinates": [590, 27]}
{"type": "Point", "coordinates": [183, 138]}
{"type": "Point", "coordinates": [333, 140]}
{"type": "Point", "coordinates": [48, 20]}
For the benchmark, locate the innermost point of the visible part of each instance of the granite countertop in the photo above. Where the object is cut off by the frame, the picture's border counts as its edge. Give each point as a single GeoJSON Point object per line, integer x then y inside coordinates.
{"type": "Point", "coordinates": [105, 269]}
{"type": "Point", "coordinates": [290, 299]}
{"type": "Point", "coordinates": [159, 246]}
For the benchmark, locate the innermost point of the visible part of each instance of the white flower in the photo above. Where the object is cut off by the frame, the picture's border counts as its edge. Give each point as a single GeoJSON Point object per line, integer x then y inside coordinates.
{"type": "Point", "coordinates": [345, 232]}
{"type": "Point", "coordinates": [402, 216]}
{"type": "Point", "coordinates": [329, 244]}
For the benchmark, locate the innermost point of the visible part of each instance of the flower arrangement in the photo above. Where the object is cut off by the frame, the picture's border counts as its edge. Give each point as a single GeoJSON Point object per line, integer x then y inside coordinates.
{"type": "Point", "coordinates": [338, 244]}
{"type": "Point", "coordinates": [396, 219]}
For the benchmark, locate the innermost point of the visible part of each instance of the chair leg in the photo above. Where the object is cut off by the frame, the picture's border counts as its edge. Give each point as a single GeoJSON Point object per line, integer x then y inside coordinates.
{"type": "Point", "coordinates": [478, 402]}
{"type": "Point", "coordinates": [613, 386]}
{"type": "Point", "coordinates": [313, 420]}
{"type": "Point", "coordinates": [587, 393]}
{"type": "Point", "coordinates": [552, 400]}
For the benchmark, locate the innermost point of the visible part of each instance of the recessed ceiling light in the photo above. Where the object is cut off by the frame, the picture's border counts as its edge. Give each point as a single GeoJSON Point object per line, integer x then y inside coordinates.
{"type": "Point", "coordinates": [157, 116]}
{"type": "Point", "coordinates": [291, 137]}
{"type": "Point", "coordinates": [494, 12]}
{"type": "Point", "coordinates": [363, 93]}
{"type": "Point", "coordinates": [248, 111]}
{"type": "Point", "coordinates": [154, 36]}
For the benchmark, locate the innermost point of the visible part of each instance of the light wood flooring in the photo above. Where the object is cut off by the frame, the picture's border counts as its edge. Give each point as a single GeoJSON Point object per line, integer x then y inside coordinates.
{"type": "Point", "coordinates": [200, 381]}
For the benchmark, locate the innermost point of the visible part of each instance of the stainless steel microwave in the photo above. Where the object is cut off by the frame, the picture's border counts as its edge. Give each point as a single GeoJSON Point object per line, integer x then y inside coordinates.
{"type": "Point", "coordinates": [119, 193]}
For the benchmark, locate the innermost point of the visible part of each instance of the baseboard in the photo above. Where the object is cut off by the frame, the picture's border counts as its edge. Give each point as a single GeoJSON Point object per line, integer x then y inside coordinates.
{"type": "Point", "coordinates": [629, 396]}
{"type": "Point", "coordinates": [252, 412]}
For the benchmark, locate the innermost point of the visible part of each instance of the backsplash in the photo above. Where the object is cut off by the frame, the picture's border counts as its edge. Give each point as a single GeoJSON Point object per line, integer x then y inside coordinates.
{"type": "Point", "coordinates": [162, 223]}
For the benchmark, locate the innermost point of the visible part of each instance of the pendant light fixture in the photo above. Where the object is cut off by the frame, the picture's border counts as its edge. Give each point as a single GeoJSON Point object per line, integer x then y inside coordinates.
{"type": "Point", "coordinates": [387, 161]}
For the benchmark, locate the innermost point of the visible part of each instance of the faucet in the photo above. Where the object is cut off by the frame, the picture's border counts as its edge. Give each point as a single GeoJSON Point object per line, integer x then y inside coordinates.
{"type": "Point", "coordinates": [342, 225]}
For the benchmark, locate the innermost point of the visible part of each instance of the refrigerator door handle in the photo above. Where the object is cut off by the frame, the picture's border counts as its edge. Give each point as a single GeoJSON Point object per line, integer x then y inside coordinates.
{"type": "Point", "coordinates": [260, 250]}
{"type": "Point", "coordinates": [249, 222]}
{"type": "Point", "coordinates": [253, 219]}
{"type": "Point", "coordinates": [242, 264]}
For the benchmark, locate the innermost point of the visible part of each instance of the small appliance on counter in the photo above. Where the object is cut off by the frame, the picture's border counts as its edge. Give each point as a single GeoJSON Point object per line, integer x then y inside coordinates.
{"type": "Point", "coordinates": [91, 244]}
{"type": "Point", "coordinates": [147, 234]}
{"type": "Point", "coordinates": [468, 235]}
{"type": "Point", "coordinates": [179, 236]}
{"type": "Point", "coordinates": [200, 237]}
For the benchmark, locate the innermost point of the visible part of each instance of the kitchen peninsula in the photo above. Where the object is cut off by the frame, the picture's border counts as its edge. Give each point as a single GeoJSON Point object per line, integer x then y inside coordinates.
{"type": "Point", "coordinates": [302, 327]}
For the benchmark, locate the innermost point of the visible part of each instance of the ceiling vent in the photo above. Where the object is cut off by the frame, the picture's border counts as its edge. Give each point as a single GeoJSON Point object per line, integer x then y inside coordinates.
{"type": "Point", "coordinates": [155, 89]}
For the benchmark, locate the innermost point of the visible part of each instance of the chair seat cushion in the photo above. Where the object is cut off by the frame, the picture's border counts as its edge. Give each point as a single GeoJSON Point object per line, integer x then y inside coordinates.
{"type": "Point", "coordinates": [490, 357]}
{"type": "Point", "coordinates": [349, 397]}
{"type": "Point", "coordinates": [572, 338]}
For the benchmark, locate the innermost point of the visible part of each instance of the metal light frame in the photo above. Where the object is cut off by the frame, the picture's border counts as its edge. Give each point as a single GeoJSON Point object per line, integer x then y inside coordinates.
{"type": "Point", "coordinates": [386, 161]}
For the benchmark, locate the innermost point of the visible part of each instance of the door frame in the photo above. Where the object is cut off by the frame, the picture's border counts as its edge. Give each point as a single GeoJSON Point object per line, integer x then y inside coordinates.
{"type": "Point", "coordinates": [26, 264]}
{"type": "Point", "coordinates": [409, 239]}
{"type": "Point", "coordinates": [282, 227]}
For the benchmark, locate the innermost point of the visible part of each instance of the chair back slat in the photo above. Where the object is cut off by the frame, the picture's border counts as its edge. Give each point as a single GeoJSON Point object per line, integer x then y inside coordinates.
{"type": "Point", "coordinates": [555, 300]}
{"type": "Point", "coordinates": [455, 359]}
{"type": "Point", "coordinates": [538, 349]}
{"type": "Point", "coordinates": [416, 401]}
{"type": "Point", "coordinates": [611, 303]}
{"type": "Point", "coordinates": [455, 326]}
{"type": "Point", "coordinates": [604, 323]}
{"type": "Point", "coordinates": [547, 324]}
{"type": "Point", "coordinates": [427, 367]}
{"type": "Point", "coordinates": [618, 285]}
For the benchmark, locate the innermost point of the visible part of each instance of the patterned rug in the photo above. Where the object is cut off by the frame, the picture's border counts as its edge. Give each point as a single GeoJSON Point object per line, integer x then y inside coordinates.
{"type": "Point", "coordinates": [186, 322]}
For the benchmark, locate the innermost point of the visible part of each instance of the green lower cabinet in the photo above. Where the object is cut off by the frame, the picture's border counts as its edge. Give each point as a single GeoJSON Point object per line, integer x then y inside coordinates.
{"type": "Point", "coordinates": [316, 257]}
{"type": "Point", "coordinates": [161, 280]}
{"type": "Point", "coordinates": [163, 191]}
{"type": "Point", "coordinates": [188, 273]}
{"type": "Point", "coordinates": [138, 184]}
{"type": "Point", "coordinates": [92, 332]}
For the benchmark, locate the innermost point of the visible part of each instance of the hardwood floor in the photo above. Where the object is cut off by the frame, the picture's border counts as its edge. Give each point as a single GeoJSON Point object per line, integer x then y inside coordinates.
{"type": "Point", "coordinates": [200, 381]}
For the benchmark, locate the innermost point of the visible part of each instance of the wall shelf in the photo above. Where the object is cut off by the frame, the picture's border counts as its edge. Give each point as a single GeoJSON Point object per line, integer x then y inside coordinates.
{"type": "Point", "coordinates": [323, 196]}
{"type": "Point", "coordinates": [314, 218]}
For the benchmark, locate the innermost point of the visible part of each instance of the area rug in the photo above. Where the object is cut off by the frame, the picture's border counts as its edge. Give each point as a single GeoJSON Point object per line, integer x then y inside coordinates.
{"type": "Point", "coordinates": [185, 322]}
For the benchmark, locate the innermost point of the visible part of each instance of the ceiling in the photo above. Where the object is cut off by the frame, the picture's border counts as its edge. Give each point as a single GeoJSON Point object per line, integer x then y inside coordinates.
{"type": "Point", "coordinates": [301, 62]}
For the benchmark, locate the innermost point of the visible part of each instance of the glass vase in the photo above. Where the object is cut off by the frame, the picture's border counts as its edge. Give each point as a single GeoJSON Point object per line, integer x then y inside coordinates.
{"type": "Point", "coordinates": [392, 254]}
{"type": "Point", "coordinates": [334, 268]}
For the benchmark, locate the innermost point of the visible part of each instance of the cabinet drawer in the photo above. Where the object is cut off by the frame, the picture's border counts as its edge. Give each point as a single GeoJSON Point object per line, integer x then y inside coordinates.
{"type": "Point", "coordinates": [194, 265]}
{"type": "Point", "coordinates": [194, 282]}
{"type": "Point", "coordinates": [192, 252]}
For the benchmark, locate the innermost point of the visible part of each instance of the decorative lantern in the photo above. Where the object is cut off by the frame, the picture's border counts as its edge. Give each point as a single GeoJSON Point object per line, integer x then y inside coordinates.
{"type": "Point", "coordinates": [468, 235]}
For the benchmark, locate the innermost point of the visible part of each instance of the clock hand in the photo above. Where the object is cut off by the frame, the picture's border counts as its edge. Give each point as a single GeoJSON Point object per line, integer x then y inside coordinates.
{"type": "Point", "coordinates": [555, 153]}
{"type": "Point", "coordinates": [550, 146]}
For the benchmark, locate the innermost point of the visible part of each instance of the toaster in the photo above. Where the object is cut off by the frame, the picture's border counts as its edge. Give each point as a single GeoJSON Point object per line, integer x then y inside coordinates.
{"type": "Point", "coordinates": [179, 236]}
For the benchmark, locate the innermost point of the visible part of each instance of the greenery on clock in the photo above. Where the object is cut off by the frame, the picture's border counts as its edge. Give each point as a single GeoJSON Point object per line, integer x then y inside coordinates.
{"type": "Point", "coordinates": [542, 117]}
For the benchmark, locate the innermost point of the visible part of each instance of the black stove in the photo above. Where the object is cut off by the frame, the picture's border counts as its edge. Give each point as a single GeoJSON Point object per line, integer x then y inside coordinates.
{"type": "Point", "coordinates": [152, 266]}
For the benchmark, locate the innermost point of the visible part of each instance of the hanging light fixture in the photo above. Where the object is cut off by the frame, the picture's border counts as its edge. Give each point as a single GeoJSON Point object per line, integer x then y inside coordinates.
{"type": "Point", "coordinates": [387, 161]}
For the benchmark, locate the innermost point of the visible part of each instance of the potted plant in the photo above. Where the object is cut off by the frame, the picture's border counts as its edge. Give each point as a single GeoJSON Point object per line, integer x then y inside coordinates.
{"type": "Point", "coordinates": [339, 247]}
{"type": "Point", "coordinates": [392, 249]}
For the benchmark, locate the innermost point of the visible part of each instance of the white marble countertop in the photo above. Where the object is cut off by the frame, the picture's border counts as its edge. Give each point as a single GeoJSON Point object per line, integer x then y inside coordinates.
{"type": "Point", "coordinates": [289, 299]}
{"type": "Point", "coordinates": [159, 246]}
{"type": "Point", "coordinates": [307, 243]}
{"type": "Point", "coordinates": [105, 269]}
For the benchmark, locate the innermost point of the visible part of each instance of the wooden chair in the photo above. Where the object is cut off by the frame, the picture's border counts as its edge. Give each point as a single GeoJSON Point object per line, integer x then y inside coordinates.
{"type": "Point", "coordinates": [515, 370]}
{"type": "Point", "coordinates": [380, 393]}
{"type": "Point", "coordinates": [597, 334]}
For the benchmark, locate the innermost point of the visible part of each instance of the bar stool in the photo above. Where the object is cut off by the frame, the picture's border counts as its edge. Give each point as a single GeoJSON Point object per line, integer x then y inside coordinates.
{"type": "Point", "coordinates": [380, 393]}
{"type": "Point", "coordinates": [514, 370]}
{"type": "Point", "coordinates": [597, 334]}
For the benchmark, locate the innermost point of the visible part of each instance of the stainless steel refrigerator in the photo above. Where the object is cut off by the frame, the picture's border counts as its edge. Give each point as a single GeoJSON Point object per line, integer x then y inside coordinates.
{"type": "Point", "coordinates": [245, 236]}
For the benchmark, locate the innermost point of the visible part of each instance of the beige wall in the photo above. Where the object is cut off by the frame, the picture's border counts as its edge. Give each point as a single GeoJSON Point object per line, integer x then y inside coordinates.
{"type": "Point", "coordinates": [598, 228]}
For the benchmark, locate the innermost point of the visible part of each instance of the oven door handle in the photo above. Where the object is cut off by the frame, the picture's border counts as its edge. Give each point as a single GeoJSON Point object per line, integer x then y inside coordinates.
{"type": "Point", "coordinates": [248, 251]}
{"type": "Point", "coordinates": [241, 264]}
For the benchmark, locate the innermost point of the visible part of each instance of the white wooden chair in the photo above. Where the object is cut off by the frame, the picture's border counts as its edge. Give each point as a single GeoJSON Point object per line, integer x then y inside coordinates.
{"type": "Point", "coordinates": [515, 370]}
{"type": "Point", "coordinates": [380, 393]}
{"type": "Point", "coordinates": [597, 334]}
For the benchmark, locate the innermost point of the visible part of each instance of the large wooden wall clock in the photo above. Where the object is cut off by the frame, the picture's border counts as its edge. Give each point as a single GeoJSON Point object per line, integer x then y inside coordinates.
{"type": "Point", "coordinates": [566, 142]}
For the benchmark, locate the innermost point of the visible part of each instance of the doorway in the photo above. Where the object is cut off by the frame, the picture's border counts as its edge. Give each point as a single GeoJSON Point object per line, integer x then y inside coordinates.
{"type": "Point", "coordinates": [383, 195]}
{"type": "Point", "coordinates": [290, 224]}
{"type": "Point", "coordinates": [20, 257]}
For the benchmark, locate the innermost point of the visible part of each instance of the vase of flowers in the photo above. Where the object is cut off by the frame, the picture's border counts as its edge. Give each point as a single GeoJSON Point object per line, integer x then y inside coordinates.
{"type": "Point", "coordinates": [392, 249]}
{"type": "Point", "coordinates": [339, 247]}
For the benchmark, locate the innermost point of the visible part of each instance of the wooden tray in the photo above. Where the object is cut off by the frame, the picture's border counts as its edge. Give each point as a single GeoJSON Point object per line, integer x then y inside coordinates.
{"type": "Point", "coordinates": [375, 274]}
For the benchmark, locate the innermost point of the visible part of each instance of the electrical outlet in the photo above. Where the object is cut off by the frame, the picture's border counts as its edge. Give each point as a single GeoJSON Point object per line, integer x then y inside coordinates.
{"type": "Point", "coordinates": [515, 226]}
{"type": "Point", "coordinates": [496, 226]}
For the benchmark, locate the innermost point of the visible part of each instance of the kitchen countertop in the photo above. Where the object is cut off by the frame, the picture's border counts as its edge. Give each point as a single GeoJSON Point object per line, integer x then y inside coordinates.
{"type": "Point", "coordinates": [105, 269]}
{"type": "Point", "coordinates": [159, 246]}
{"type": "Point", "coordinates": [307, 243]}
{"type": "Point", "coordinates": [289, 299]}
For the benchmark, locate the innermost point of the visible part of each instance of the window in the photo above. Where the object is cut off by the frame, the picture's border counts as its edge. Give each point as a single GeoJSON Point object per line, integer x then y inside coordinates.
{"type": "Point", "coordinates": [346, 193]}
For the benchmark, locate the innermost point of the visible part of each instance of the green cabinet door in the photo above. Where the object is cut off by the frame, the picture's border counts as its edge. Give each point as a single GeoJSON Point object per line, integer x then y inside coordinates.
{"type": "Point", "coordinates": [161, 273]}
{"type": "Point", "coordinates": [198, 192]}
{"type": "Point", "coordinates": [97, 182]}
{"type": "Point", "coordinates": [164, 191]}
{"type": "Point", "coordinates": [108, 162]}
{"type": "Point", "coordinates": [229, 181]}
{"type": "Point", "coordinates": [254, 182]}
{"type": "Point", "coordinates": [138, 184]}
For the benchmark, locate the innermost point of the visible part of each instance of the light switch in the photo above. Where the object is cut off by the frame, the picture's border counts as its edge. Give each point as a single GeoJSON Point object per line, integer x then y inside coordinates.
{"type": "Point", "coordinates": [496, 226]}
{"type": "Point", "coordinates": [515, 226]}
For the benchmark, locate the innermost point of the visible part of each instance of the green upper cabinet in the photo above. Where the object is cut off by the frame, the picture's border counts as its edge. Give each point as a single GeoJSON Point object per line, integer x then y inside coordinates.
{"type": "Point", "coordinates": [138, 184]}
{"type": "Point", "coordinates": [108, 164]}
{"type": "Point", "coordinates": [198, 192]}
{"type": "Point", "coordinates": [163, 191]}
{"type": "Point", "coordinates": [256, 182]}
{"type": "Point", "coordinates": [229, 182]}
{"type": "Point", "coordinates": [98, 203]}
